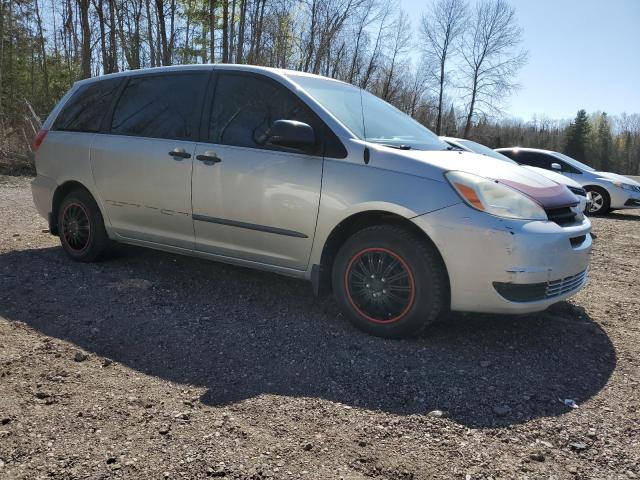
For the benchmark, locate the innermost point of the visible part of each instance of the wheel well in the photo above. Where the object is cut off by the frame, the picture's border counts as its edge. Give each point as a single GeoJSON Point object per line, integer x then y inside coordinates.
{"type": "Point", "coordinates": [597, 187]}
{"type": "Point", "coordinates": [349, 226]}
{"type": "Point", "coordinates": [61, 192]}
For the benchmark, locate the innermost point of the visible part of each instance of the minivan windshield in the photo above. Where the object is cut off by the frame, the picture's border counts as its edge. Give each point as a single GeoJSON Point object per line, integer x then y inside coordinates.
{"type": "Point", "coordinates": [482, 150]}
{"type": "Point", "coordinates": [367, 116]}
{"type": "Point", "coordinates": [574, 163]}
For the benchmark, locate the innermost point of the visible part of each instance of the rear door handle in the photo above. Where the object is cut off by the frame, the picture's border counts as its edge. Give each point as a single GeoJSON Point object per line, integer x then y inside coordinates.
{"type": "Point", "coordinates": [179, 153]}
{"type": "Point", "coordinates": [209, 157]}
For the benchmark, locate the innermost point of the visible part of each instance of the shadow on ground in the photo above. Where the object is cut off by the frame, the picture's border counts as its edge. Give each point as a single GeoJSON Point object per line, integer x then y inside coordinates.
{"type": "Point", "coordinates": [241, 333]}
{"type": "Point", "coordinates": [619, 215]}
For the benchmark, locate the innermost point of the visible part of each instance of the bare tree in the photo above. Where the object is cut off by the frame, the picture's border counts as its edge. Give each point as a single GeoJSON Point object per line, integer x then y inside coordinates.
{"type": "Point", "coordinates": [400, 44]}
{"type": "Point", "coordinates": [440, 29]}
{"type": "Point", "coordinates": [491, 58]}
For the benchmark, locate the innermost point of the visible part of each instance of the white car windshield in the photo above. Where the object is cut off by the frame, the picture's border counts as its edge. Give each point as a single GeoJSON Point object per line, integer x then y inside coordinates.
{"type": "Point", "coordinates": [482, 150]}
{"type": "Point", "coordinates": [573, 162]}
{"type": "Point", "coordinates": [367, 116]}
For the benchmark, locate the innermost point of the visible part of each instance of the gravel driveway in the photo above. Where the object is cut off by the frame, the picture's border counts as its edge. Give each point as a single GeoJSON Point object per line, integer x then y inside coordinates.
{"type": "Point", "coordinates": [152, 365]}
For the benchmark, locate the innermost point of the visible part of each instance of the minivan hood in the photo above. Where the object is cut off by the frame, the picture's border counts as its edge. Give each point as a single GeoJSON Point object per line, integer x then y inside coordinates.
{"type": "Point", "coordinates": [546, 192]}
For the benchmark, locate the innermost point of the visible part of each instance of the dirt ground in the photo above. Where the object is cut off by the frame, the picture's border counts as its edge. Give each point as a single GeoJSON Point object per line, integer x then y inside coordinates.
{"type": "Point", "coordinates": [151, 365]}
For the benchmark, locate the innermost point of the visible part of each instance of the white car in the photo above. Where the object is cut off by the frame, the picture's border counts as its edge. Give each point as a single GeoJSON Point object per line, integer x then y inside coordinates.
{"type": "Point", "coordinates": [608, 191]}
{"type": "Point", "coordinates": [475, 147]}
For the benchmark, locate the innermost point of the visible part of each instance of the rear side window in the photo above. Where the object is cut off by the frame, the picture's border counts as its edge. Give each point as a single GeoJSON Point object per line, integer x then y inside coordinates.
{"type": "Point", "coordinates": [245, 107]}
{"type": "Point", "coordinates": [533, 159]}
{"type": "Point", "coordinates": [85, 110]}
{"type": "Point", "coordinates": [161, 106]}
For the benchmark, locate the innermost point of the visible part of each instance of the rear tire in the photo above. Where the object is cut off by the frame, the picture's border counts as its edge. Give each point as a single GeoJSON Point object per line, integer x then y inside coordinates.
{"type": "Point", "coordinates": [389, 282]}
{"type": "Point", "coordinates": [600, 201]}
{"type": "Point", "coordinates": [81, 227]}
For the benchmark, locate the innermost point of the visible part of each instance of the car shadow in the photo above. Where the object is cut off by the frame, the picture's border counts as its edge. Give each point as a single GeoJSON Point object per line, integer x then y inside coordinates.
{"type": "Point", "coordinates": [241, 333]}
{"type": "Point", "coordinates": [623, 216]}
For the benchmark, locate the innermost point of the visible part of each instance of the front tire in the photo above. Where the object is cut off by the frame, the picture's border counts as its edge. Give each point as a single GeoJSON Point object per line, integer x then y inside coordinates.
{"type": "Point", "coordinates": [81, 227]}
{"type": "Point", "coordinates": [389, 282]}
{"type": "Point", "coordinates": [600, 201]}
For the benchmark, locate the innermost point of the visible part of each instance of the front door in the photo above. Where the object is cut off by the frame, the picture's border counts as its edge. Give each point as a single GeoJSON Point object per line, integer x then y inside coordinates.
{"type": "Point", "coordinates": [252, 201]}
{"type": "Point", "coordinates": [143, 165]}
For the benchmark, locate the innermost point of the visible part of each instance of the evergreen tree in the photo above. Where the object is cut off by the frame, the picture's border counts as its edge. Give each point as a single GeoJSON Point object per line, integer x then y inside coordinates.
{"type": "Point", "coordinates": [577, 135]}
{"type": "Point", "coordinates": [449, 123]}
{"type": "Point", "coordinates": [604, 143]}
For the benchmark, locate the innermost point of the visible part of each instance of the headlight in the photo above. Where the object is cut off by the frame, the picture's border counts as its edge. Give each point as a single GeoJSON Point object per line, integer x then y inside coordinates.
{"type": "Point", "coordinates": [492, 197]}
{"type": "Point", "coordinates": [624, 186]}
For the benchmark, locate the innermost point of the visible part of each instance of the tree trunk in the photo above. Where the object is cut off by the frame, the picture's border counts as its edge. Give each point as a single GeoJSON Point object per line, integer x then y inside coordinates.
{"type": "Point", "coordinates": [472, 106]}
{"type": "Point", "coordinates": [98, 4]}
{"type": "Point", "coordinates": [113, 45]}
{"type": "Point", "coordinates": [440, 94]}
{"type": "Point", "coordinates": [152, 53]}
{"type": "Point", "coordinates": [83, 5]}
{"type": "Point", "coordinates": [241, 27]}
{"type": "Point", "coordinates": [225, 31]}
{"type": "Point", "coordinates": [212, 28]}
{"type": "Point", "coordinates": [43, 53]}
{"type": "Point", "coordinates": [232, 31]}
{"type": "Point", "coordinates": [166, 59]}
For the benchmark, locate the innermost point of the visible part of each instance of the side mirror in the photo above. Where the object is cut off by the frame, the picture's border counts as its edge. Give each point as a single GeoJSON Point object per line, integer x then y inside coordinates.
{"type": "Point", "coordinates": [556, 166]}
{"type": "Point", "coordinates": [291, 134]}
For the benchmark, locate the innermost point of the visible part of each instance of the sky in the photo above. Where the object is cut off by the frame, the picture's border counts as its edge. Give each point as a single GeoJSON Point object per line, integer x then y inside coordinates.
{"type": "Point", "coordinates": [582, 54]}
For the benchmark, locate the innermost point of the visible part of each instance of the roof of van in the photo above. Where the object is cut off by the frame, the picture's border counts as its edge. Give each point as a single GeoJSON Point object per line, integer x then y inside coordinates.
{"type": "Point", "coordinates": [207, 66]}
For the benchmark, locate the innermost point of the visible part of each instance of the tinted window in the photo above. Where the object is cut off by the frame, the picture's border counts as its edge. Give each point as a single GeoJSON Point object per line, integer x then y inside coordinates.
{"type": "Point", "coordinates": [86, 108]}
{"type": "Point", "coordinates": [161, 106]}
{"type": "Point", "coordinates": [245, 107]}
{"type": "Point", "coordinates": [530, 158]}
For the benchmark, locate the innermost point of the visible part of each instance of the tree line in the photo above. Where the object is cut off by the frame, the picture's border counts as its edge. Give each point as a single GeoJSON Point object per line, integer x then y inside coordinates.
{"type": "Point", "coordinates": [450, 70]}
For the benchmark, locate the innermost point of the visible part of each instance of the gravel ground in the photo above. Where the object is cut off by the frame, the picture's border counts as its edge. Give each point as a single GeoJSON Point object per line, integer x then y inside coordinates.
{"type": "Point", "coordinates": [152, 365]}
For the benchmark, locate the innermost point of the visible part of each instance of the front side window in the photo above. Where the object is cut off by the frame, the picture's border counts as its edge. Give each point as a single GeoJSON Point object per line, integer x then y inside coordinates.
{"type": "Point", "coordinates": [367, 116]}
{"type": "Point", "coordinates": [86, 108]}
{"type": "Point", "coordinates": [161, 106]}
{"type": "Point", "coordinates": [575, 164]}
{"type": "Point", "coordinates": [245, 107]}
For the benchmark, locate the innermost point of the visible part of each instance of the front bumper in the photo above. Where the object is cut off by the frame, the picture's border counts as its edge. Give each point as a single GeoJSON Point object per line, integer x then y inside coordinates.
{"type": "Point", "coordinates": [480, 250]}
{"type": "Point", "coordinates": [622, 198]}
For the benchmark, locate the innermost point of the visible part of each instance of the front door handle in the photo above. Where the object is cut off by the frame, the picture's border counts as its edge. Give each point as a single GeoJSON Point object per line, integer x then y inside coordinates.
{"type": "Point", "coordinates": [209, 157]}
{"type": "Point", "coordinates": [179, 153]}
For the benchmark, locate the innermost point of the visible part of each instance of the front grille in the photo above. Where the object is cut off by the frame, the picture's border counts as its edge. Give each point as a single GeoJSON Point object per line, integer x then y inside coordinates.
{"type": "Point", "coordinates": [578, 191]}
{"type": "Point", "coordinates": [632, 202]}
{"type": "Point", "coordinates": [532, 292]}
{"type": "Point", "coordinates": [565, 285]}
{"type": "Point", "coordinates": [561, 216]}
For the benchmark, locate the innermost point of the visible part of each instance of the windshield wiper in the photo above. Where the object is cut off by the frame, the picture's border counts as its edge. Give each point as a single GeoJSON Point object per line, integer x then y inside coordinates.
{"type": "Point", "coordinates": [399, 147]}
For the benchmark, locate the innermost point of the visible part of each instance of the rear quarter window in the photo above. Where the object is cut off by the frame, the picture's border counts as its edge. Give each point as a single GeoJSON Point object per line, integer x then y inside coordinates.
{"type": "Point", "coordinates": [87, 107]}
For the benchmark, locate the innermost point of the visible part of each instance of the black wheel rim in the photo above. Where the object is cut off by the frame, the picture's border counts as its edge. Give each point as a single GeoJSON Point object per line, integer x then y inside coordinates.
{"type": "Point", "coordinates": [380, 285]}
{"type": "Point", "coordinates": [76, 228]}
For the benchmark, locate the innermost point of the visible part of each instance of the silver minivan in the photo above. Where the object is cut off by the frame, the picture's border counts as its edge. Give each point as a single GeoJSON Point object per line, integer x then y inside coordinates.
{"type": "Point", "coordinates": [309, 177]}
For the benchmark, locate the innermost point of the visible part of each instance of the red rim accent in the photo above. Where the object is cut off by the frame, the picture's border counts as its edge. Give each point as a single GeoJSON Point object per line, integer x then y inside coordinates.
{"type": "Point", "coordinates": [412, 286]}
{"type": "Point", "coordinates": [64, 233]}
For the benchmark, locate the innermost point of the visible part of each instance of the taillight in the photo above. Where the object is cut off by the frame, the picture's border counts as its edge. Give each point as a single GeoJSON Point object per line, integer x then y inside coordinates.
{"type": "Point", "coordinates": [39, 139]}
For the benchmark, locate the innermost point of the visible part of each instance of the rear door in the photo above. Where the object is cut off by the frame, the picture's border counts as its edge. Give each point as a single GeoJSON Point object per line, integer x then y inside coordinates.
{"type": "Point", "coordinates": [254, 201]}
{"type": "Point", "coordinates": [143, 165]}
